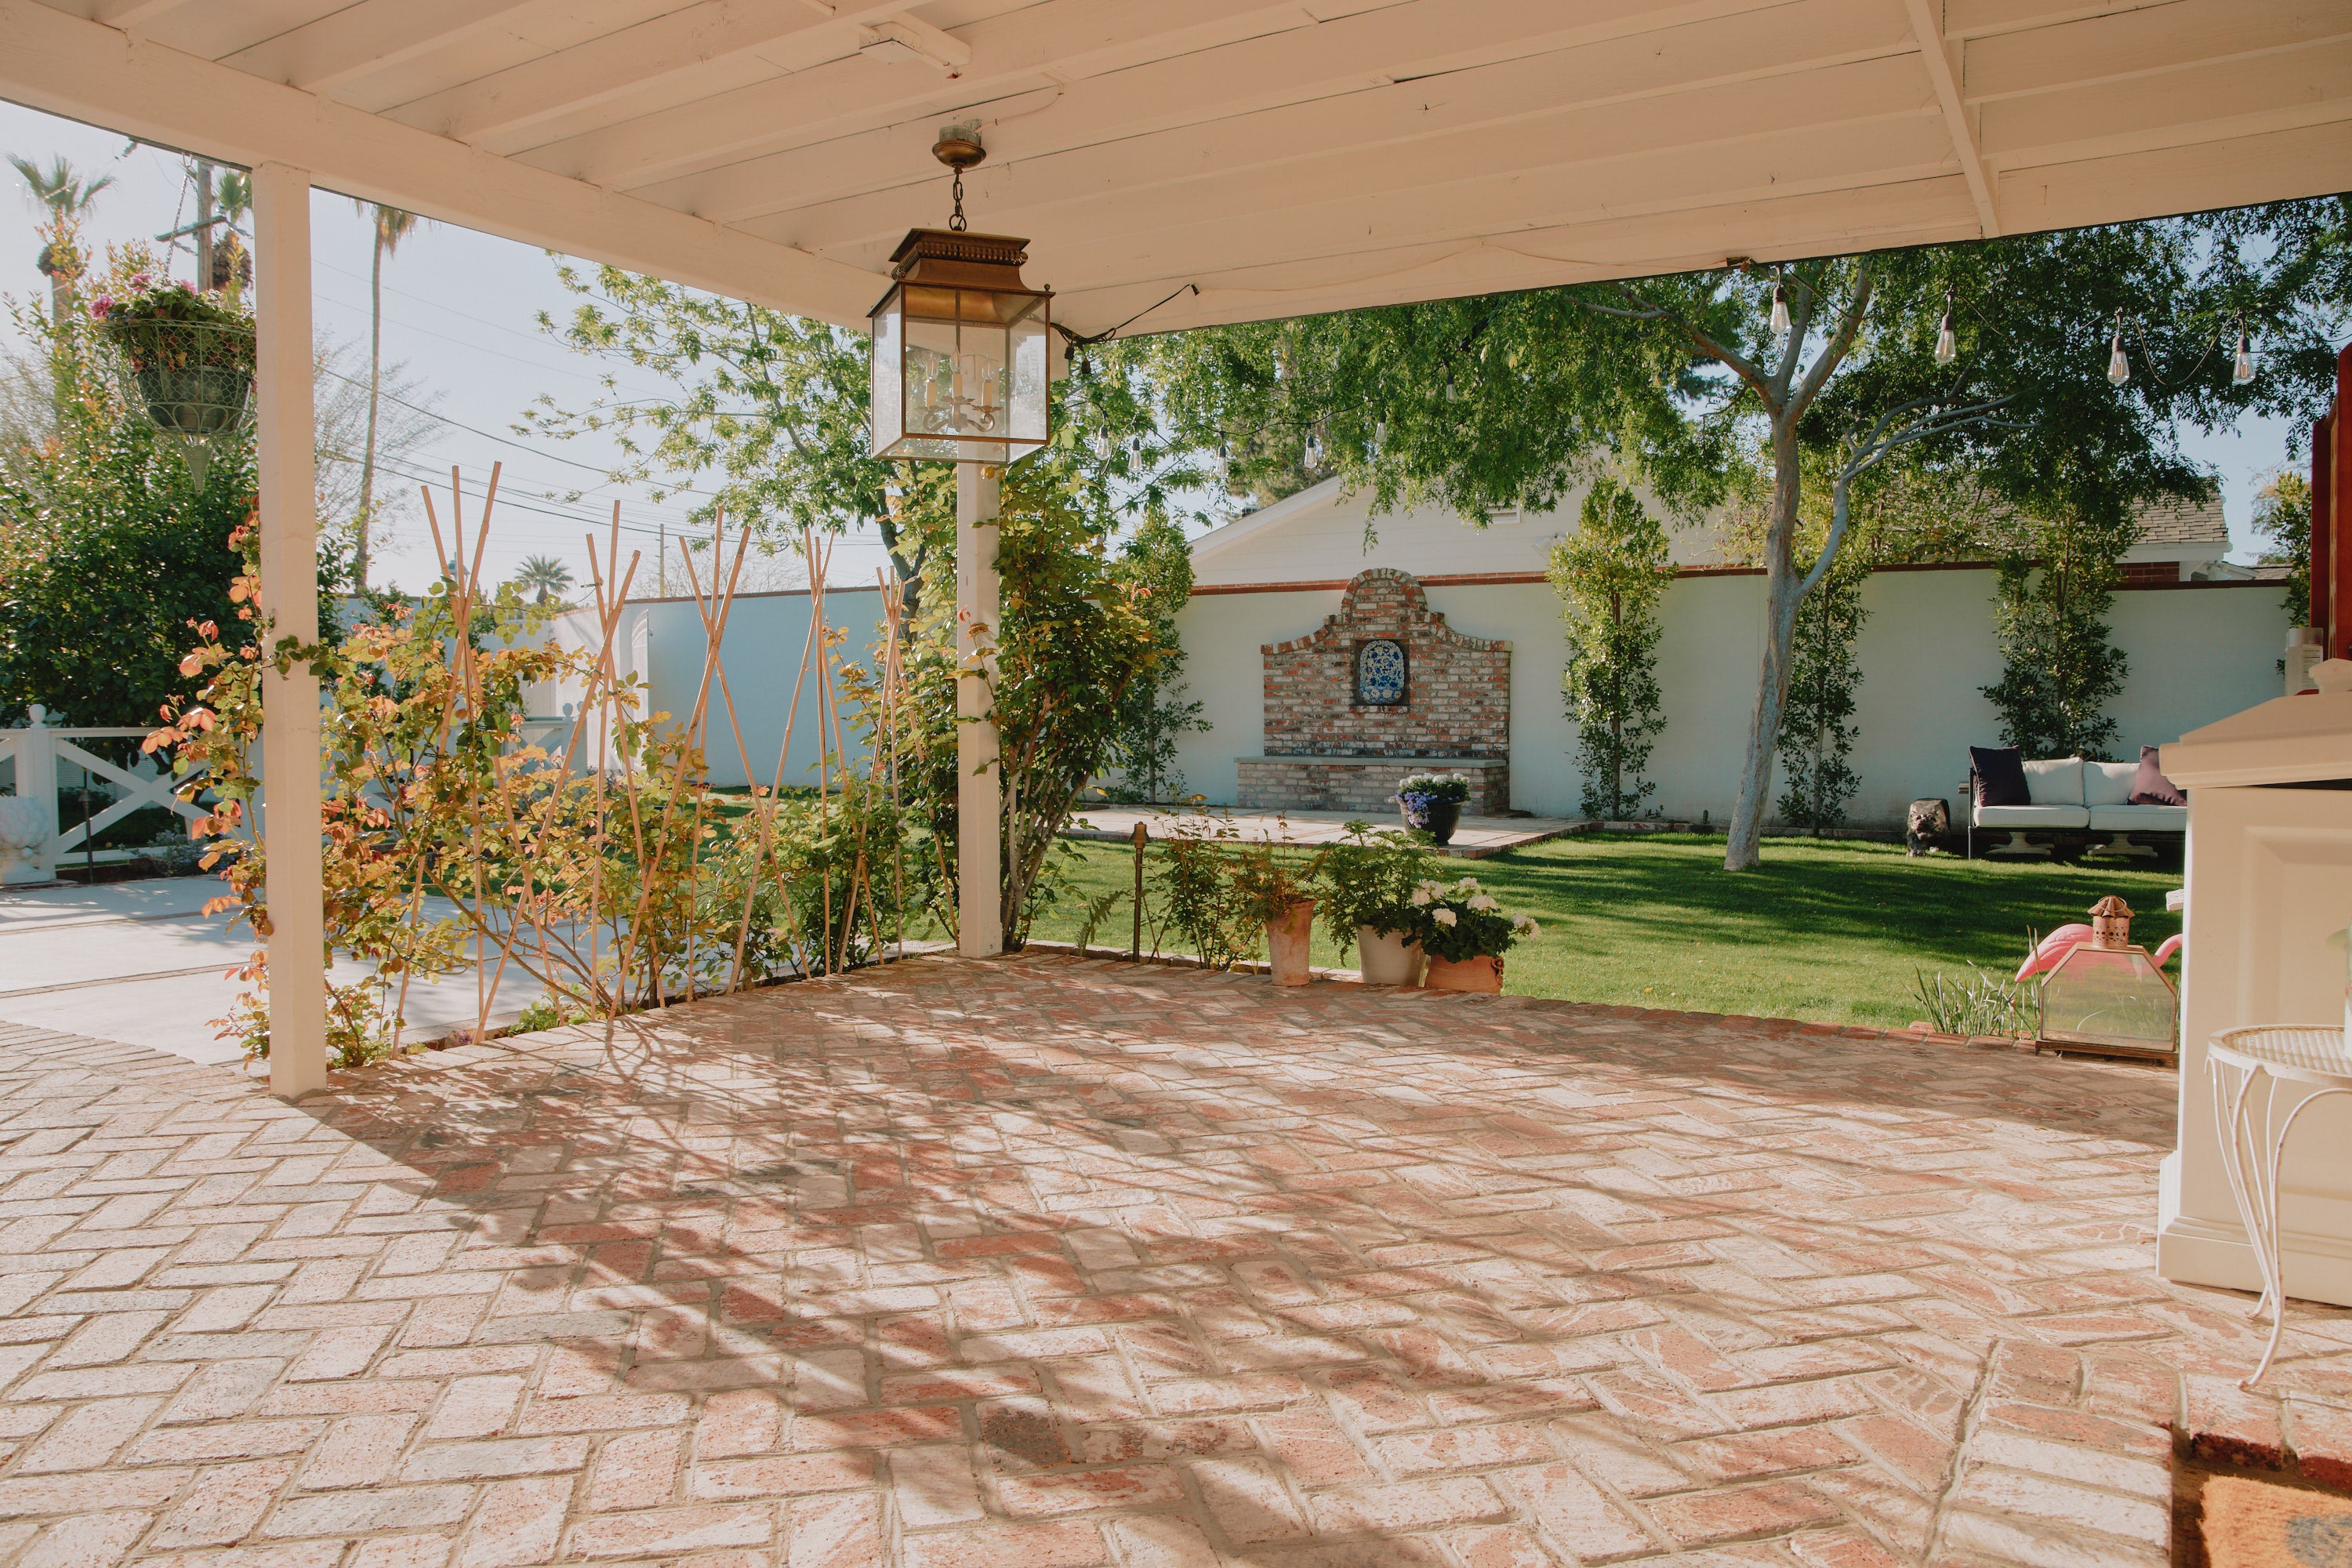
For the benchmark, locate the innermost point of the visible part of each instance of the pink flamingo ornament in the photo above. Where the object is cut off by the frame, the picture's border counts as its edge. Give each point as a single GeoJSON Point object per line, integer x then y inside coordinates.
{"type": "Point", "coordinates": [2053, 947]}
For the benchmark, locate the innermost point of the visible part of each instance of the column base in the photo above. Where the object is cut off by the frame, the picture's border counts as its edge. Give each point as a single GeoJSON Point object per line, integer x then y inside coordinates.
{"type": "Point", "coordinates": [2191, 1249]}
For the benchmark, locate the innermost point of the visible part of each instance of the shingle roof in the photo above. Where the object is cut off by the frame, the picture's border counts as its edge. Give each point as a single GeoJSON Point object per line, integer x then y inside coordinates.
{"type": "Point", "coordinates": [2184, 522]}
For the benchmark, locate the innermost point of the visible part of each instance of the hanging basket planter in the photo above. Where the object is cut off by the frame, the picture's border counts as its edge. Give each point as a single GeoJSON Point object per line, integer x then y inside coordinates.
{"type": "Point", "coordinates": [185, 361]}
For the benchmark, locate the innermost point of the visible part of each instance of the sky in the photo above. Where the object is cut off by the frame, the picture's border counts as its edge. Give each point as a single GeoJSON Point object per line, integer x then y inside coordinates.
{"type": "Point", "coordinates": [460, 311]}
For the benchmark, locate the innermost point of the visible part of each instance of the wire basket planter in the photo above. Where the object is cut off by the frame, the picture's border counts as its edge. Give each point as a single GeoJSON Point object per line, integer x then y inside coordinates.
{"type": "Point", "coordinates": [185, 361]}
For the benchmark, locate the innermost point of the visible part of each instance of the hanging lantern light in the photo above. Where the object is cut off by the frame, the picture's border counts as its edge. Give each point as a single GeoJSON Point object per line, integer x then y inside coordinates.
{"type": "Point", "coordinates": [959, 367]}
{"type": "Point", "coordinates": [1779, 311]}
{"type": "Point", "coordinates": [1314, 450]}
{"type": "Point", "coordinates": [2242, 372]}
{"type": "Point", "coordinates": [1948, 347]}
{"type": "Point", "coordinates": [2118, 363]}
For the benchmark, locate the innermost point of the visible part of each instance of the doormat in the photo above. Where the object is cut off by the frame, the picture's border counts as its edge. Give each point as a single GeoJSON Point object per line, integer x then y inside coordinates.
{"type": "Point", "coordinates": [2228, 1516]}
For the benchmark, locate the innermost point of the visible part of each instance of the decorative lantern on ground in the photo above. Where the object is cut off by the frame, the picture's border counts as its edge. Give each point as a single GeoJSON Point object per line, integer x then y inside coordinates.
{"type": "Point", "coordinates": [185, 361]}
{"type": "Point", "coordinates": [2108, 996]}
{"type": "Point", "coordinates": [959, 364]}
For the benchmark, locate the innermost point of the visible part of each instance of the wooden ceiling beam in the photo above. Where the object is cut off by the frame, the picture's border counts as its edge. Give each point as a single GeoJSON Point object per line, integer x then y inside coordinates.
{"type": "Point", "coordinates": [1928, 28]}
{"type": "Point", "coordinates": [1081, 140]}
{"type": "Point", "coordinates": [131, 15]}
{"type": "Point", "coordinates": [1303, 59]}
{"type": "Point", "coordinates": [1927, 211]}
{"type": "Point", "coordinates": [1712, 124]}
{"type": "Point", "coordinates": [61, 64]}
{"type": "Point", "coordinates": [2232, 97]}
{"type": "Point", "coordinates": [2154, 39]}
{"type": "Point", "coordinates": [1071, 252]}
{"type": "Point", "coordinates": [2267, 167]}
{"type": "Point", "coordinates": [507, 103]}
{"type": "Point", "coordinates": [363, 38]}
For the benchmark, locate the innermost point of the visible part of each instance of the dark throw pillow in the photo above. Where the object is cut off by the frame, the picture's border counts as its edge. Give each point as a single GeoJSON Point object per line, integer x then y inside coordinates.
{"type": "Point", "coordinates": [2000, 776]}
{"type": "Point", "coordinates": [2150, 787]}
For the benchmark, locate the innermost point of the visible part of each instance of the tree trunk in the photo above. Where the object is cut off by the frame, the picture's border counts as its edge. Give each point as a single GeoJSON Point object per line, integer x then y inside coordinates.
{"type": "Point", "coordinates": [376, 375]}
{"type": "Point", "coordinates": [1783, 585]}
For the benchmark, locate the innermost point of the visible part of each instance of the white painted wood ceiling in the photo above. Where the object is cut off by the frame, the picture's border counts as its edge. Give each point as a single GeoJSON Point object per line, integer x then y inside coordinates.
{"type": "Point", "coordinates": [1287, 158]}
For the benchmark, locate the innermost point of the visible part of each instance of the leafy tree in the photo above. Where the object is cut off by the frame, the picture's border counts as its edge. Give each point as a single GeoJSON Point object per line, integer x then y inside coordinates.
{"type": "Point", "coordinates": [388, 226]}
{"type": "Point", "coordinates": [1817, 732]}
{"type": "Point", "coordinates": [1510, 399]}
{"type": "Point", "coordinates": [1610, 575]}
{"type": "Point", "coordinates": [69, 196]}
{"type": "Point", "coordinates": [2283, 522]}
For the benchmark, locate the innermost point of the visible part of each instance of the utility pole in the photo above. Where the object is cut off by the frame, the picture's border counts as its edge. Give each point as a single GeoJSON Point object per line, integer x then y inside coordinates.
{"type": "Point", "coordinates": [204, 236]}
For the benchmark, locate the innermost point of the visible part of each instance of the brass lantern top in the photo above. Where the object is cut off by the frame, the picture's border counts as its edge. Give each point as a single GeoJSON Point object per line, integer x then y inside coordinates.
{"type": "Point", "coordinates": [947, 272]}
{"type": "Point", "coordinates": [2111, 920]}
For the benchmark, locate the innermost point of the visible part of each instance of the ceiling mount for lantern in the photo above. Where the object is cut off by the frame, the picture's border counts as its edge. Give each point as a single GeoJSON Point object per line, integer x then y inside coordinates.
{"type": "Point", "coordinates": [959, 368]}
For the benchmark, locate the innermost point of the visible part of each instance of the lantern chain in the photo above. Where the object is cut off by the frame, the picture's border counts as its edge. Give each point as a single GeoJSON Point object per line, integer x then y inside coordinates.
{"type": "Point", "coordinates": [955, 222]}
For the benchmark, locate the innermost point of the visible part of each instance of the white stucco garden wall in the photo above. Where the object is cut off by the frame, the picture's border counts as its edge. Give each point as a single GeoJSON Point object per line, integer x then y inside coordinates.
{"type": "Point", "coordinates": [663, 639]}
{"type": "Point", "coordinates": [2196, 654]}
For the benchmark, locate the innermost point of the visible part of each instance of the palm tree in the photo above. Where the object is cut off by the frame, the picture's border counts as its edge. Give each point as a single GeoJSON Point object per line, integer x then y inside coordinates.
{"type": "Point", "coordinates": [392, 226]}
{"type": "Point", "coordinates": [232, 265]}
{"type": "Point", "coordinates": [67, 196]}
{"type": "Point", "coordinates": [544, 574]}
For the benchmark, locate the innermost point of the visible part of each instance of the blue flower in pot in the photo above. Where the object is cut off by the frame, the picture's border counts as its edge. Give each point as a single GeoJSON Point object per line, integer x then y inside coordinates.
{"type": "Point", "coordinates": [1433, 802]}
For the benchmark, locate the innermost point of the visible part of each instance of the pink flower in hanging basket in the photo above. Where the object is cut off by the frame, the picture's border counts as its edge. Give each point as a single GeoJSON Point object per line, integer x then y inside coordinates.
{"type": "Point", "coordinates": [143, 282]}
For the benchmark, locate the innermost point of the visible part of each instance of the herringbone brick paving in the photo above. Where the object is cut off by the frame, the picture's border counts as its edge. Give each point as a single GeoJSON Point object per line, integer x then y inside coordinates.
{"type": "Point", "coordinates": [1053, 1262]}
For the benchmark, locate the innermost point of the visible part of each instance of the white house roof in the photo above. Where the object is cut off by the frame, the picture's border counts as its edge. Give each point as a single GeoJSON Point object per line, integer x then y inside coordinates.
{"type": "Point", "coordinates": [1282, 156]}
{"type": "Point", "coordinates": [1327, 533]}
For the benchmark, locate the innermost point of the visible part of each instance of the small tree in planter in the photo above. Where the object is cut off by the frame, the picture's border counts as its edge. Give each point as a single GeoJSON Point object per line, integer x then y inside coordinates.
{"type": "Point", "coordinates": [1431, 803]}
{"type": "Point", "coordinates": [187, 362]}
{"type": "Point", "coordinates": [1467, 935]}
{"type": "Point", "coordinates": [1369, 879]}
{"type": "Point", "coordinates": [1277, 892]}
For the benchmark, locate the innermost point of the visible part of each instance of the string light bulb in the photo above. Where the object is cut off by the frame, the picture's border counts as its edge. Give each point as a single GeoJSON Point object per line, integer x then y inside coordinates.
{"type": "Point", "coordinates": [1779, 311]}
{"type": "Point", "coordinates": [1314, 450]}
{"type": "Point", "coordinates": [1381, 432]}
{"type": "Point", "coordinates": [1948, 347]}
{"type": "Point", "coordinates": [2119, 363]}
{"type": "Point", "coordinates": [2242, 372]}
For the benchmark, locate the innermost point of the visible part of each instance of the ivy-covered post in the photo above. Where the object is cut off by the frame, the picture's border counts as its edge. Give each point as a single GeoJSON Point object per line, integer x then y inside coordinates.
{"type": "Point", "coordinates": [980, 799]}
{"type": "Point", "coordinates": [293, 824]}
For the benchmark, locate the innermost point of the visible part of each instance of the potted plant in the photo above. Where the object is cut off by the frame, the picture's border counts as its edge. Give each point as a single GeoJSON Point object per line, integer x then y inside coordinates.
{"type": "Point", "coordinates": [1279, 893]}
{"type": "Point", "coordinates": [1369, 879]}
{"type": "Point", "coordinates": [1466, 936]}
{"type": "Point", "coordinates": [1431, 803]}
{"type": "Point", "coordinates": [187, 360]}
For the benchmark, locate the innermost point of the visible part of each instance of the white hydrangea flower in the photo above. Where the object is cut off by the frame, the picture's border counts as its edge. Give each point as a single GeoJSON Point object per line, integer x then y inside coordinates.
{"type": "Point", "coordinates": [1524, 926]}
{"type": "Point", "coordinates": [1466, 885]}
{"type": "Point", "coordinates": [1444, 916]}
{"type": "Point", "coordinates": [1421, 895]}
{"type": "Point", "coordinates": [1483, 902]}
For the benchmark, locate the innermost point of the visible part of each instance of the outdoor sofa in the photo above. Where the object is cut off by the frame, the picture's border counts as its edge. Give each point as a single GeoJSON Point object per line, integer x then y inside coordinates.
{"type": "Point", "coordinates": [2072, 804]}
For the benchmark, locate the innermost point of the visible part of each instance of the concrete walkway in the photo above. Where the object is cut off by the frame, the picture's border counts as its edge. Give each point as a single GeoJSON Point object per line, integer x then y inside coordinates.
{"type": "Point", "coordinates": [1476, 838]}
{"type": "Point", "coordinates": [140, 963]}
{"type": "Point", "coordinates": [1056, 1263]}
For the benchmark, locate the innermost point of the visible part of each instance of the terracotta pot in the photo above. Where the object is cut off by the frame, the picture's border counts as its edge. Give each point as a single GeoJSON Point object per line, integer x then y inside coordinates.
{"type": "Point", "coordinates": [1288, 940]}
{"type": "Point", "coordinates": [1481, 973]}
{"type": "Point", "coordinates": [1393, 959]}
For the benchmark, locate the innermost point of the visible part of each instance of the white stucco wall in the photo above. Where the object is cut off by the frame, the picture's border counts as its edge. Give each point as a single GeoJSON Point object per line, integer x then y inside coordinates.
{"type": "Point", "coordinates": [2196, 654]}
{"type": "Point", "coordinates": [760, 652]}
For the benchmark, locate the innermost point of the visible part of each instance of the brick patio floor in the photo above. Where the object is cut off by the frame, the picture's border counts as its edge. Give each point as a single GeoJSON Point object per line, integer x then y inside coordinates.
{"type": "Point", "coordinates": [1050, 1262]}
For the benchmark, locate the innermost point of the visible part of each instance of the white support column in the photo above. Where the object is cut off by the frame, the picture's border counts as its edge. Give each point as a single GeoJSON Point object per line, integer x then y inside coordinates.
{"type": "Point", "coordinates": [289, 594]}
{"type": "Point", "coordinates": [980, 813]}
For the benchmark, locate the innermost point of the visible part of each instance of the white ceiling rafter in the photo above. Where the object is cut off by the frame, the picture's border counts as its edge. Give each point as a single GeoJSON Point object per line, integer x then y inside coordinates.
{"type": "Point", "coordinates": [1286, 155]}
{"type": "Point", "coordinates": [368, 37]}
{"type": "Point", "coordinates": [1928, 27]}
{"type": "Point", "coordinates": [1082, 150]}
{"type": "Point", "coordinates": [508, 102]}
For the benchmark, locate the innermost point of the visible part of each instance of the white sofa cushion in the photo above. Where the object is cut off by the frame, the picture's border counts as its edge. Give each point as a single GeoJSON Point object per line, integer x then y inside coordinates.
{"type": "Point", "coordinates": [2057, 782]}
{"type": "Point", "coordinates": [2140, 818]}
{"type": "Point", "coordinates": [2032, 816]}
{"type": "Point", "coordinates": [2108, 784]}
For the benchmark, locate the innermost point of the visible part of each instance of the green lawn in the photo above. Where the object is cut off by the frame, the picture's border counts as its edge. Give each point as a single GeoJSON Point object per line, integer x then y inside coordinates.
{"type": "Point", "coordinates": [1832, 931]}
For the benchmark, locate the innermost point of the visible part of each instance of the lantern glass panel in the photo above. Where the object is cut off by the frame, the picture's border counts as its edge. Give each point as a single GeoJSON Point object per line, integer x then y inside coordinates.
{"type": "Point", "coordinates": [965, 377]}
{"type": "Point", "coordinates": [2110, 996]}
